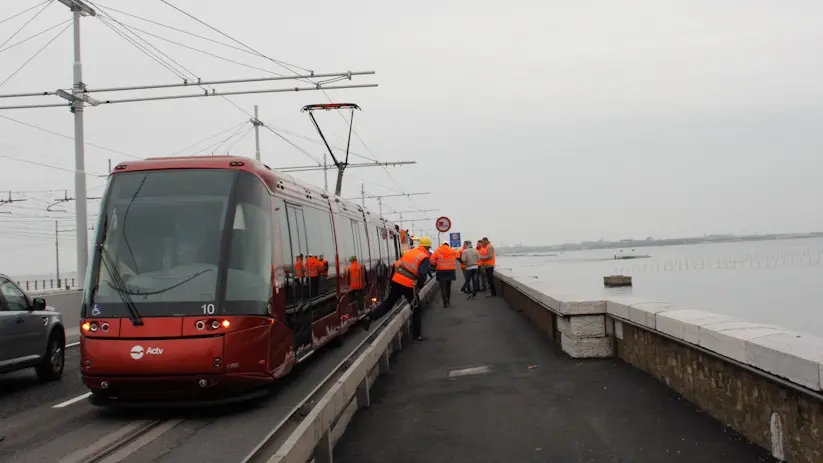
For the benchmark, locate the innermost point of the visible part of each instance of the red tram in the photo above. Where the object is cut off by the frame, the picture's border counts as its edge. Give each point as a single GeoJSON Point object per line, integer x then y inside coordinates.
{"type": "Point", "coordinates": [213, 276]}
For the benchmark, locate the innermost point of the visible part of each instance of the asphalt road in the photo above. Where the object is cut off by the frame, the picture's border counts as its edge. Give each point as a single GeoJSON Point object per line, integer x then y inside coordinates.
{"type": "Point", "coordinates": [36, 428]}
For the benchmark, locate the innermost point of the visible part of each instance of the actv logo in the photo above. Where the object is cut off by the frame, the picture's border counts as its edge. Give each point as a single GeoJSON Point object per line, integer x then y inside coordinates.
{"type": "Point", "coordinates": [137, 352]}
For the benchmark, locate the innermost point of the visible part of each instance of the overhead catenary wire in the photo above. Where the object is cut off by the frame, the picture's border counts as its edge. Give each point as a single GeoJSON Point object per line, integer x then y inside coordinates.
{"type": "Point", "coordinates": [9, 18]}
{"type": "Point", "coordinates": [34, 35]}
{"type": "Point", "coordinates": [50, 166]}
{"type": "Point", "coordinates": [34, 55]}
{"type": "Point", "coordinates": [283, 64]}
{"type": "Point", "coordinates": [289, 67]}
{"type": "Point", "coordinates": [241, 137]}
{"type": "Point", "coordinates": [208, 138]}
{"type": "Point", "coordinates": [28, 124]}
{"type": "Point", "coordinates": [214, 93]}
{"type": "Point", "coordinates": [27, 22]}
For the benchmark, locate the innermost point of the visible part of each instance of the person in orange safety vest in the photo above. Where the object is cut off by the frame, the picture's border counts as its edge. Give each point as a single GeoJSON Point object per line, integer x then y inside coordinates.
{"type": "Point", "coordinates": [357, 283]}
{"type": "Point", "coordinates": [444, 261]}
{"type": "Point", "coordinates": [409, 275]}
{"type": "Point", "coordinates": [487, 260]}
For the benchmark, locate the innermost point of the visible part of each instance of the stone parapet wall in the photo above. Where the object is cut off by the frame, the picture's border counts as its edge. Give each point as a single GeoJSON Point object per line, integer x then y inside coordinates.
{"type": "Point", "coordinates": [762, 380]}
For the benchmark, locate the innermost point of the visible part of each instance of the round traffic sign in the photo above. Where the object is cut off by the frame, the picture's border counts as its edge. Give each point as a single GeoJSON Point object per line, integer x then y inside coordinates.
{"type": "Point", "coordinates": [443, 224]}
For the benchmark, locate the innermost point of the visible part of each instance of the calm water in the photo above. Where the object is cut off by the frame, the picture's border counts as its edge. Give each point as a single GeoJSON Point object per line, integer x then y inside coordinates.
{"type": "Point", "coordinates": [779, 282]}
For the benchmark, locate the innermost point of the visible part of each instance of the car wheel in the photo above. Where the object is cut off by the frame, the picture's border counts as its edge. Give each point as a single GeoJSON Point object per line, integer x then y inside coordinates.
{"type": "Point", "coordinates": [51, 367]}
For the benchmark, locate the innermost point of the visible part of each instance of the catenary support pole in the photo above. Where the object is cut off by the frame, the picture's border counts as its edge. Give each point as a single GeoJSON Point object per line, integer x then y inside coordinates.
{"type": "Point", "coordinates": [78, 89]}
{"type": "Point", "coordinates": [256, 123]}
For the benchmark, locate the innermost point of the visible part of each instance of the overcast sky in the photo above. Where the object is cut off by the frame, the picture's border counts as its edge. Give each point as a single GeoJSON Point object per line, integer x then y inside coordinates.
{"type": "Point", "coordinates": [533, 122]}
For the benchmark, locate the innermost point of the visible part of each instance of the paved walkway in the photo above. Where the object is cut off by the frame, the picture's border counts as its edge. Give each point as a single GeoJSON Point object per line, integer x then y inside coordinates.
{"type": "Point", "coordinates": [534, 404]}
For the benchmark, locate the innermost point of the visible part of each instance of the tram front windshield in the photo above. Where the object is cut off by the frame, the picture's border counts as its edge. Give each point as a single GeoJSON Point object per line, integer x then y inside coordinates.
{"type": "Point", "coordinates": [182, 242]}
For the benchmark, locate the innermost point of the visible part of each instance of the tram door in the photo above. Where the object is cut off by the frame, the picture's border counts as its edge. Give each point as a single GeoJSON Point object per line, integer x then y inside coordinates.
{"type": "Point", "coordinates": [298, 305]}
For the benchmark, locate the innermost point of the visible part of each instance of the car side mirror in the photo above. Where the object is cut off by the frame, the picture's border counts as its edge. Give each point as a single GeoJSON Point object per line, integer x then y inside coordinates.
{"type": "Point", "coordinates": [38, 303]}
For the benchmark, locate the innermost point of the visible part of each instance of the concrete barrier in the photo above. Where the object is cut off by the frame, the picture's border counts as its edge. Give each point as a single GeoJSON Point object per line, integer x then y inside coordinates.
{"type": "Point", "coordinates": [762, 380]}
{"type": "Point", "coordinates": [67, 303]}
{"type": "Point", "coordinates": [315, 436]}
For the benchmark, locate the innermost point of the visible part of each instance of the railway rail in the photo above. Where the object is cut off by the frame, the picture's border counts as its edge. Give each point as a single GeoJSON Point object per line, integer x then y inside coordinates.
{"type": "Point", "coordinates": [306, 424]}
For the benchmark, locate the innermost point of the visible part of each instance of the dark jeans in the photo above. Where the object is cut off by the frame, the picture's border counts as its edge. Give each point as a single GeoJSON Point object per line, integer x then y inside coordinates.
{"type": "Point", "coordinates": [490, 280]}
{"type": "Point", "coordinates": [472, 283]}
{"type": "Point", "coordinates": [396, 291]}
{"type": "Point", "coordinates": [358, 296]}
{"type": "Point", "coordinates": [446, 290]}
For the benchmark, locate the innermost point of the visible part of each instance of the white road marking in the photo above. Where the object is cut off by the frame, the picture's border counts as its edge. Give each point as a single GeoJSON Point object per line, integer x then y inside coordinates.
{"type": "Point", "coordinates": [72, 401]}
{"type": "Point", "coordinates": [469, 371]}
{"type": "Point", "coordinates": [72, 344]}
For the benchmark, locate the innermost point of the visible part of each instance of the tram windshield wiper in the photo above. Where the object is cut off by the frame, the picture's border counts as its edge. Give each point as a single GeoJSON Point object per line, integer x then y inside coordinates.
{"type": "Point", "coordinates": [118, 284]}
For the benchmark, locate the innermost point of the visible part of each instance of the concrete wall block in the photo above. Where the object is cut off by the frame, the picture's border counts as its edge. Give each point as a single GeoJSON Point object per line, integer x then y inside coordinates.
{"type": "Point", "coordinates": [644, 313]}
{"type": "Point", "coordinates": [618, 306]}
{"type": "Point", "coordinates": [691, 330]}
{"type": "Point", "coordinates": [563, 324]}
{"type": "Point", "coordinates": [729, 338]}
{"type": "Point", "coordinates": [678, 322]}
{"type": "Point", "coordinates": [618, 329]}
{"type": "Point", "coordinates": [541, 292]}
{"type": "Point", "coordinates": [587, 347]}
{"type": "Point", "coordinates": [587, 325]}
{"type": "Point", "coordinates": [575, 306]}
{"type": "Point", "coordinates": [792, 355]}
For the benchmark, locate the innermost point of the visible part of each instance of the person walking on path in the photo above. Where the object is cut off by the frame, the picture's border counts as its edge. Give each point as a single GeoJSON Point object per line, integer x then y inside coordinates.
{"type": "Point", "coordinates": [444, 261]}
{"type": "Point", "coordinates": [481, 265]}
{"type": "Point", "coordinates": [409, 275]}
{"type": "Point", "coordinates": [469, 258]}
{"type": "Point", "coordinates": [488, 260]}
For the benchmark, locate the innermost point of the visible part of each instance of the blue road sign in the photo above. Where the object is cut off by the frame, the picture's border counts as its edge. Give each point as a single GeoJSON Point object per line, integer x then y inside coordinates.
{"type": "Point", "coordinates": [454, 240]}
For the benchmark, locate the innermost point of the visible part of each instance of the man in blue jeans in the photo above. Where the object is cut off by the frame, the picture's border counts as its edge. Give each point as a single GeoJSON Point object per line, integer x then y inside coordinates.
{"type": "Point", "coordinates": [470, 257]}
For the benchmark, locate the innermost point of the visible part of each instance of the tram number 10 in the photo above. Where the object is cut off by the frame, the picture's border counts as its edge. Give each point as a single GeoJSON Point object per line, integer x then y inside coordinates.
{"type": "Point", "coordinates": [208, 309]}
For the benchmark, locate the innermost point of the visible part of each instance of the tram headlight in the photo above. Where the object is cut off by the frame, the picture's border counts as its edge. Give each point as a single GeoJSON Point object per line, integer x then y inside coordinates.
{"type": "Point", "coordinates": [225, 323]}
{"type": "Point", "coordinates": [86, 326]}
{"type": "Point", "coordinates": [93, 327]}
{"type": "Point", "coordinates": [215, 324]}
{"type": "Point", "coordinates": [200, 325]}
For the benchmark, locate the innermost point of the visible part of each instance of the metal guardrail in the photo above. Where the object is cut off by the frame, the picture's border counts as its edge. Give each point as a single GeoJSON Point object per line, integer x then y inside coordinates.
{"type": "Point", "coordinates": [312, 427]}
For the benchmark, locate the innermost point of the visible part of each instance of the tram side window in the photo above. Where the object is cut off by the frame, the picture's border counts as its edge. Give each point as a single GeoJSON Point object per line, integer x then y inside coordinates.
{"type": "Point", "coordinates": [345, 240]}
{"type": "Point", "coordinates": [289, 259]}
{"type": "Point", "coordinates": [322, 250]}
{"type": "Point", "coordinates": [297, 242]}
{"type": "Point", "coordinates": [358, 243]}
{"type": "Point", "coordinates": [248, 281]}
{"type": "Point", "coordinates": [386, 246]}
{"type": "Point", "coordinates": [368, 259]}
{"type": "Point", "coordinates": [374, 245]}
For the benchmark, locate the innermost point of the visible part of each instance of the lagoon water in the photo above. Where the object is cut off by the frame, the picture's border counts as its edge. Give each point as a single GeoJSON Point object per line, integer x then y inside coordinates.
{"type": "Point", "coordinates": [777, 281]}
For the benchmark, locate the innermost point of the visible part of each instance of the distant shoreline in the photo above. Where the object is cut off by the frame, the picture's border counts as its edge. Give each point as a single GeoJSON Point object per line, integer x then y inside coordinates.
{"type": "Point", "coordinates": [594, 245]}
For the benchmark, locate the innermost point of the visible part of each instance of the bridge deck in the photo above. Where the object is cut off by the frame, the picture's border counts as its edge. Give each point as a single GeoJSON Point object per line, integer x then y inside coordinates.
{"type": "Point", "coordinates": [534, 403]}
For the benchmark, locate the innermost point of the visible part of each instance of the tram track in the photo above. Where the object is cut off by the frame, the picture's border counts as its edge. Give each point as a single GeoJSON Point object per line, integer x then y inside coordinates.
{"type": "Point", "coordinates": [267, 449]}
{"type": "Point", "coordinates": [82, 433]}
{"type": "Point", "coordinates": [123, 442]}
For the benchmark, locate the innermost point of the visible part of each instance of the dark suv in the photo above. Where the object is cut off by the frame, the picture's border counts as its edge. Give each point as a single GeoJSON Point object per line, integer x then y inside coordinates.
{"type": "Point", "coordinates": [31, 334]}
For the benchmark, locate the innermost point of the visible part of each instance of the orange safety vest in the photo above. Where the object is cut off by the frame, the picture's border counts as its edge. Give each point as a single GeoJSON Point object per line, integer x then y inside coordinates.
{"type": "Point", "coordinates": [298, 267]}
{"type": "Point", "coordinates": [459, 255]}
{"type": "Point", "coordinates": [356, 276]}
{"type": "Point", "coordinates": [406, 268]}
{"type": "Point", "coordinates": [314, 267]}
{"type": "Point", "coordinates": [483, 253]}
{"type": "Point", "coordinates": [491, 262]}
{"type": "Point", "coordinates": [445, 258]}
